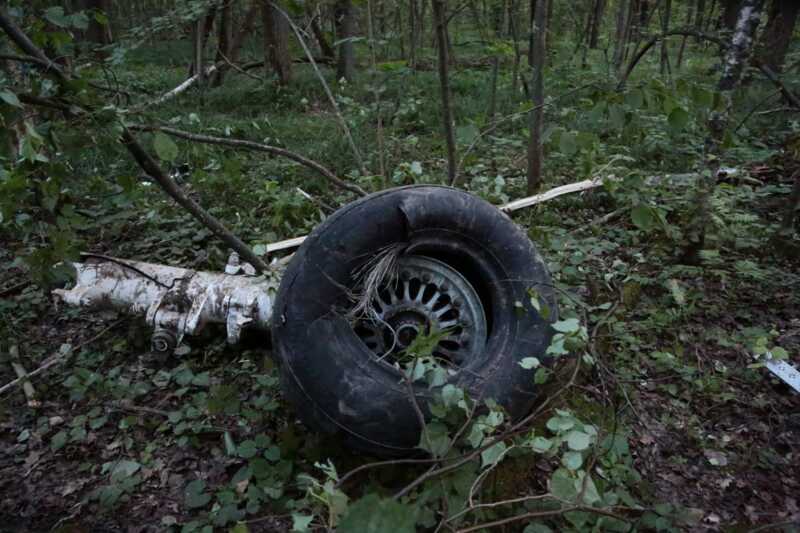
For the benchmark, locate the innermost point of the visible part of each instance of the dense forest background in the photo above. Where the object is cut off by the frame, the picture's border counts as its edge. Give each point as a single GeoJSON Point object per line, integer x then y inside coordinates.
{"type": "Point", "coordinates": [175, 130]}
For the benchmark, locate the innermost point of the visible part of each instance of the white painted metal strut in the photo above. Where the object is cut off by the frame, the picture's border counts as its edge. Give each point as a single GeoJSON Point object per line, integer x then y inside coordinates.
{"type": "Point", "coordinates": [174, 301]}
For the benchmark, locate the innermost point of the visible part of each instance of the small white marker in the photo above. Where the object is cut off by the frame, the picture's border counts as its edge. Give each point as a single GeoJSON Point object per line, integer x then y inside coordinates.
{"type": "Point", "coordinates": [786, 372]}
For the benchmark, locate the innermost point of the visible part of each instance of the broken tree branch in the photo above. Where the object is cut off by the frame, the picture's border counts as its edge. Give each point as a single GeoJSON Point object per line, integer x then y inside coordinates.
{"type": "Point", "coordinates": [773, 77]}
{"type": "Point", "coordinates": [656, 39]}
{"type": "Point", "coordinates": [183, 87]}
{"type": "Point", "coordinates": [552, 193]}
{"type": "Point", "coordinates": [509, 207]}
{"type": "Point", "coordinates": [252, 145]}
{"type": "Point", "coordinates": [153, 170]}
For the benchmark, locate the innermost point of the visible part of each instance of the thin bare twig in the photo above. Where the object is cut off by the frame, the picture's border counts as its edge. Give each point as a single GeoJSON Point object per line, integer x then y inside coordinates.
{"type": "Point", "coordinates": [56, 359]}
{"type": "Point", "coordinates": [260, 147]}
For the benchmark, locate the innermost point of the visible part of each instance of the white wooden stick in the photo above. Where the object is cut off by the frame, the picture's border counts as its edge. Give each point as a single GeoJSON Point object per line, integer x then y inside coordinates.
{"type": "Point", "coordinates": [511, 206]}
{"type": "Point", "coordinates": [552, 193]}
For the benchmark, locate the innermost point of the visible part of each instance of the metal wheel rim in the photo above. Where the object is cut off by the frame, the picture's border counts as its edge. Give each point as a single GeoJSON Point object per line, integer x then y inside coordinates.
{"type": "Point", "coordinates": [426, 296]}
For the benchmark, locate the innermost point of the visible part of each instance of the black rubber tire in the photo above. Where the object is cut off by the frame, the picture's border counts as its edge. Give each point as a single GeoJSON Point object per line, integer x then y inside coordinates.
{"type": "Point", "coordinates": [336, 383]}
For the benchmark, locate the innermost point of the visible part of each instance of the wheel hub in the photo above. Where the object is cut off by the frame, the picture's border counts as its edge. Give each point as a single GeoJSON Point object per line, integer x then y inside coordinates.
{"type": "Point", "coordinates": [428, 298]}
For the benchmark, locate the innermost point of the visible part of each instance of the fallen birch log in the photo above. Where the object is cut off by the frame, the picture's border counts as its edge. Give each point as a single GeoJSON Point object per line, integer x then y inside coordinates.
{"type": "Point", "coordinates": [169, 95]}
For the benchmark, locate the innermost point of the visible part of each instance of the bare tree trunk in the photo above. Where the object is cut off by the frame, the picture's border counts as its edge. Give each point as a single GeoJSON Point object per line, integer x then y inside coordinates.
{"type": "Point", "coordinates": [413, 30]}
{"type": "Point", "coordinates": [346, 66]}
{"type": "Point", "coordinates": [699, 16]}
{"type": "Point", "coordinates": [665, 15]}
{"type": "Point", "coordinates": [735, 61]}
{"type": "Point", "coordinates": [276, 42]}
{"type": "Point", "coordinates": [199, 57]}
{"type": "Point", "coordinates": [324, 46]}
{"type": "Point", "coordinates": [778, 33]}
{"type": "Point", "coordinates": [597, 22]}
{"type": "Point", "coordinates": [440, 21]}
{"type": "Point", "coordinates": [512, 26]}
{"type": "Point", "coordinates": [787, 224]}
{"type": "Point", "coordinates": [99, 33]}
{"type": "Point", "coordinates": [501, 31]}
{"type": "Point", "coordinates": [224, 43]}
{"type": "Point", "coordinates": [730, 13]}
{"type": "Point", "coordinates": [690, 18]}
{"type": "Point", "coordinates": [620, 34]}
{"type": "Point", "coordinates": [535, 148]}
{"type": "Point", "coordinates": [207, 26]}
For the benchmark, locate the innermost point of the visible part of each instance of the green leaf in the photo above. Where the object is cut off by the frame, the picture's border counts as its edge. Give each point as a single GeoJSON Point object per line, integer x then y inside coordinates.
{"type": "Point", "coordinates": [55, 15]}
{"type": "Point", "coordinates": [537, 528]}
{"type": "Point", "coordinates": [373, 514]}
{"type": "Point", "coordinates": [435, 439]}
{"type": "Point", "coordinates": [58, 441]}
{"type": "Point", "coordinates": [247, 449]}
{"type": "Point", "coordinates": [541, 444]}
{"type": "Point", "coordinates": [562, 485]}
{"type": "Point", "coordinates": [451, 395]}
{"type": "Point", "coordinates": [10, 98]}
{"type": "Point", "coordinates": [230, 446]}
{"type": "Point", "coordinates": [570, 325]}
{"type": "Point", "coordinates": [678, 118]}
{"type": "Point", "coordinates": [590, 493]}
{"type": "Point", "coordinates": [702, 97]}
{"type": "Point", "coordinates": [572, 460]}
{"type": "Point", "coordinates": [559, 424]}
{"type": "Point", "coordinates": [493, 454]}
{"type": "Point", "coordinates": [300, 522]}
{"type": "Point", "coordinates": [194, 494]}
{"type": "Point", "coordinates": [616, 116]}
{"type": "Point", "coordinates": [124, 469]}
{"type": "Point", "coordinates": [567, 143]}
{"type": "Point", "coordinates": [643, 217]}
{"type": "Point", "coordinates": [466, 134]}
{"type": "Point", "coordinates": [634, 99]}
{"type": "Point", "coordinates": [578, 440]}
{"type": "Point", "coordinates": [677, 292]}
{"type": "Point", "coordinates": [529, 362]}
{"type": "Point", "coordinates": [166, 149]}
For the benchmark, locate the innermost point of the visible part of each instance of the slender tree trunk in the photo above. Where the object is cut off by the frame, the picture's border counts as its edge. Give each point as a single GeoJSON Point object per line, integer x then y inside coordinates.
{"type": "Point", "coordinates": [440, 23]}
{"type": "Point", "coordinates": [512, 26]}
{"type": "Point", "coordinates": [597, 22]}
{"type": "Point", "coordinates": [501, 31]}
{"type": "Point", "coordinates": [207, 26]}
{"type": "Point", "coordinates": [199, 60]}
{"type": "Point", "coordinates": [224, 43]}
{"type": "Point", "coordinates": [700, 17]}
{"type": "Point", "coordinates": [345, 31]}
{"type": "Point", "coordinates": [665, 15]}
{"type": "Point", "coordinates": [412, 33]}
{"type": "Point", "coordinates": [99, 33]}
{"type": "Point", "coordinates": [535, 148]}
{"type": "Point", "coordinates": [620, 33]}
{"type": "Point", "coordinates": [735, 61]}
{"type": "Point", "coordinates": [730, 13]}
{"type": "Point", "coordinates": [325, 47]}
{"type": "Point", "coordinates": [690, 18]}
{"type": "Point", "coordinates": [789, 216]}
{"type": "Point", "coordinates": [276, 42]}
{"type": "Point", "coordinates": [778, 33]}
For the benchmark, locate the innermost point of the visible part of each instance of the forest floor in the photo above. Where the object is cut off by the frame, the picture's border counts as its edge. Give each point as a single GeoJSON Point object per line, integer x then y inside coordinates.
{"type": "Point", "coordinates": [118, 439]}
